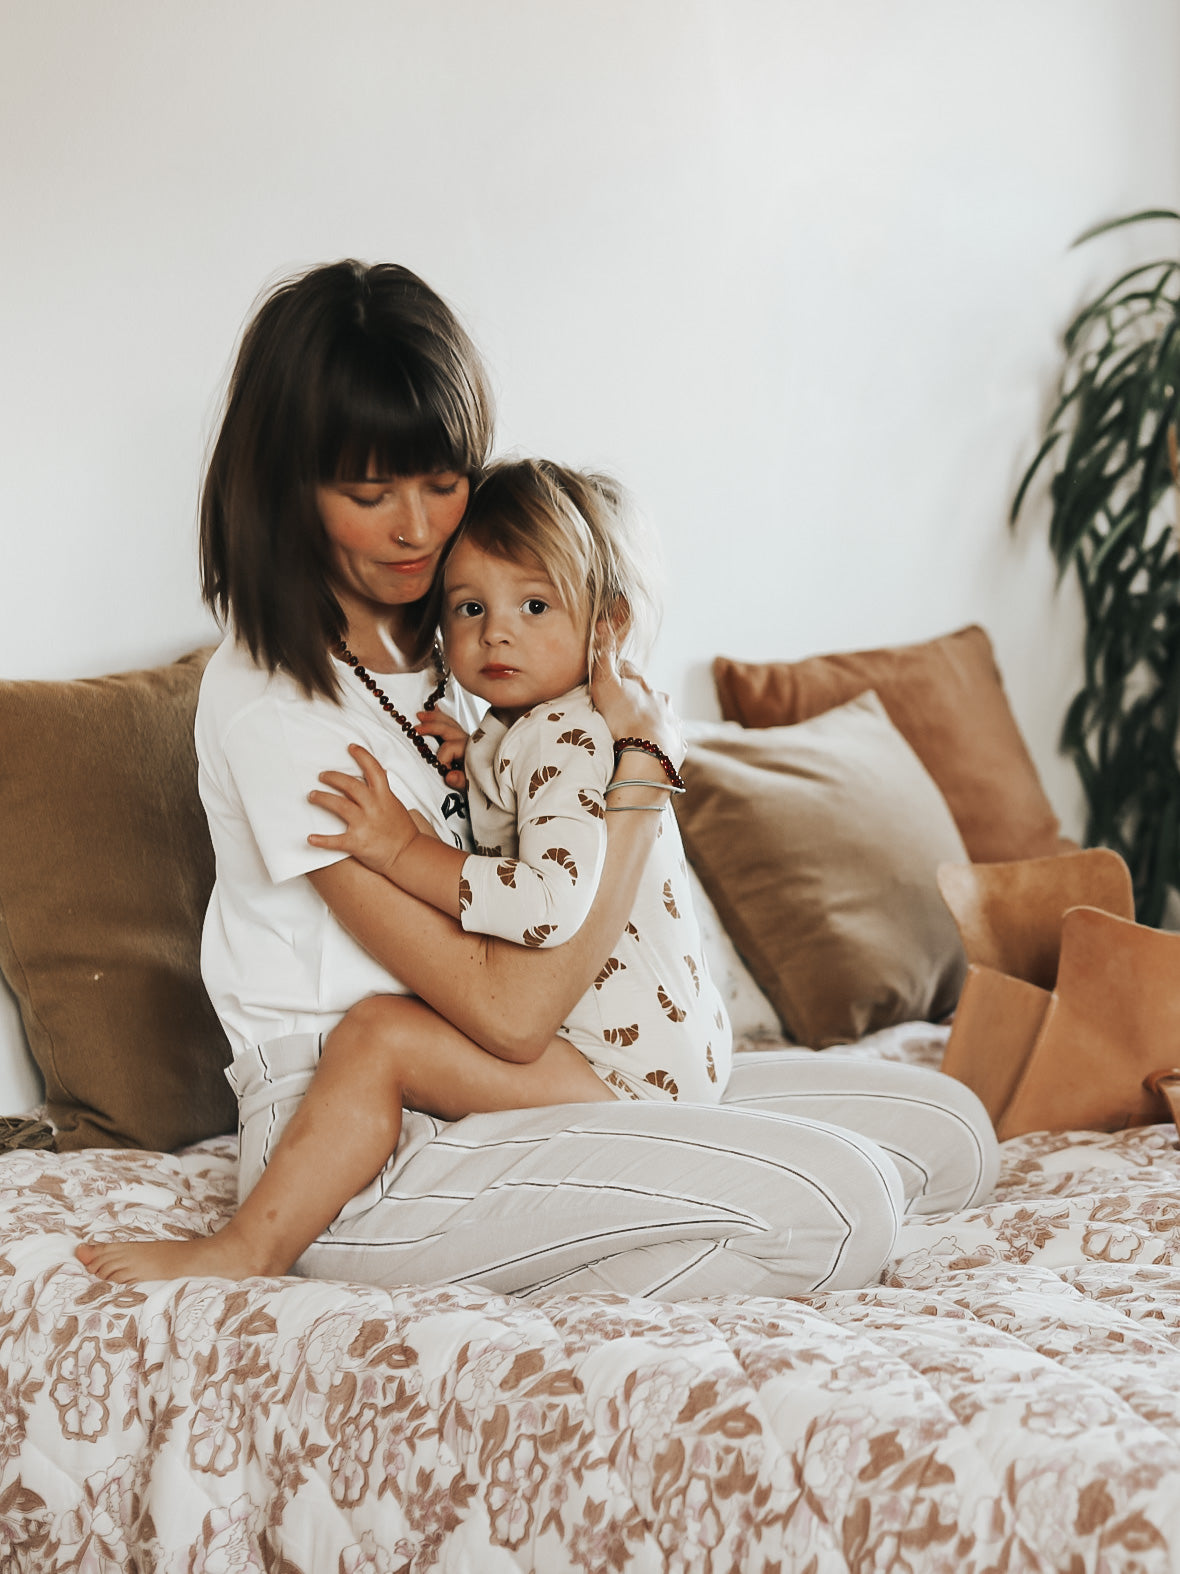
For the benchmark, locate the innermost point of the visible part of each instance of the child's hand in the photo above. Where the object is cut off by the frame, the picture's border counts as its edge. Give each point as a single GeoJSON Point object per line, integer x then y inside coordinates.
{"type": "Point", "coordinates": [378, 828]}
{"type": "Point", "coordinates": [452, 744]}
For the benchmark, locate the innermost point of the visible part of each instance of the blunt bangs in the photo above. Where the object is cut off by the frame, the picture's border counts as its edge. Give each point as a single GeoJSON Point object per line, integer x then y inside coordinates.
{"type": "Point", "coordinates": [391, 408]}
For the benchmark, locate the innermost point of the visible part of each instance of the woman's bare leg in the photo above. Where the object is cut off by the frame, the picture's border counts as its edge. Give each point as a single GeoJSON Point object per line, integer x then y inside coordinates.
{"type": "Point", "coordinates": [389, 1052]}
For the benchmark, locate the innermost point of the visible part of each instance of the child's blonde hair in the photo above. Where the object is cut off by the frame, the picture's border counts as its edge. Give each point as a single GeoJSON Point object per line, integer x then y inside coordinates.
{"type": "Point", "coordinates": [584, 533]}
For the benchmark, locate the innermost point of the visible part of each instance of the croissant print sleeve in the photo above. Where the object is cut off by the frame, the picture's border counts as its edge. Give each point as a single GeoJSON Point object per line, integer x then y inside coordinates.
{"type": "Point", "coordinates": [538, 818]}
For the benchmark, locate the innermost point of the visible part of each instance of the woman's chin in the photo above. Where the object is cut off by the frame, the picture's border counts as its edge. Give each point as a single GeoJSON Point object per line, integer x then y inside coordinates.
{"type": "Point", "coordinates": [398, 589]}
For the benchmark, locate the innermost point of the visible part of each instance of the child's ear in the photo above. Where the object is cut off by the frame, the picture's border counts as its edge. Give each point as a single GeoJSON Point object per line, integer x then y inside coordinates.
{"type": "Point", "coordinates": [611, 629]}
{"type": "Point", "coordinates": [617, 617]}
{"type": "Point", "coordinates": [604, 647]}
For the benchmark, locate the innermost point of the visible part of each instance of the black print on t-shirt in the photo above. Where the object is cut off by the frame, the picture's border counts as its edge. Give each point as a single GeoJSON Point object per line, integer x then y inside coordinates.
{"type": "Point", "coordinates": [454, 804]}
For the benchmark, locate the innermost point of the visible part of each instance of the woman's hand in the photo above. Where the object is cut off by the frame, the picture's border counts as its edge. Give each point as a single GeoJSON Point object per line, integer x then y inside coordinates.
{"type": "Point", "coordinates": [378, 827]}
{"type": "Point", "coordinates": [452, 744]}
{"type": "Point", "coordinates": [630, 708]}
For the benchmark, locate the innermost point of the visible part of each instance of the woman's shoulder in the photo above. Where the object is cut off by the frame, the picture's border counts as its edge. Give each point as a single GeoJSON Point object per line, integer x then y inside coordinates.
{"type": "Point", "coordinates": [241, 699]}
{"type": "Point", "coordinates": [233, 682]}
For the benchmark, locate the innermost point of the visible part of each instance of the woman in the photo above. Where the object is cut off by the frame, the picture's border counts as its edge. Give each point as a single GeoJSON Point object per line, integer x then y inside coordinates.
{"type": "Point", "coordinates": [357, 414]}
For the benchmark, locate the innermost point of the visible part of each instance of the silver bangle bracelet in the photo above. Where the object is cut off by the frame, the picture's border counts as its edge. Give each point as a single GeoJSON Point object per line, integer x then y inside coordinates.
{"type": "Point", "coordinates": [642, 781]}
{"type": "Point", "coordinates": [636, 808]}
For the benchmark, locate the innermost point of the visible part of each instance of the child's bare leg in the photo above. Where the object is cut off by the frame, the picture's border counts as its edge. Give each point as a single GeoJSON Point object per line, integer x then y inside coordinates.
{"type": "Point", "coordinates": [388, 1051]}
{"type": "Point", "coordinates": [443, 1073]}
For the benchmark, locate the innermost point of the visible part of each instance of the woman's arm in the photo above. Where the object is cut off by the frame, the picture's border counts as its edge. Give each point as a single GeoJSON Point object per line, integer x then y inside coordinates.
{"type": "Point", "coordinates": [508, 998]}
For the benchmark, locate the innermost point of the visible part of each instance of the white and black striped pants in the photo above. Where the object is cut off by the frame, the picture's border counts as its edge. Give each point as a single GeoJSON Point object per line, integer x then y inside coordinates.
{"type": "Point", "coordinates": [795, 1182]}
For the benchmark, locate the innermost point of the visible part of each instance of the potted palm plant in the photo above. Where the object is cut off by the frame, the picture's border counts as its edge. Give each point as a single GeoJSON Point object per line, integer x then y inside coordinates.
{"type": "Point", "coordinates": [1111, 448]}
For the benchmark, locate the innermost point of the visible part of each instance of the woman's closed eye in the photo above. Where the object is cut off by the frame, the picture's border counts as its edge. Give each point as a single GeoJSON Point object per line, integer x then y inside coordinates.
{"type": "Point", "coordinates": [370, 494]}
{"type": "Point", "coordinates": [365, 499]}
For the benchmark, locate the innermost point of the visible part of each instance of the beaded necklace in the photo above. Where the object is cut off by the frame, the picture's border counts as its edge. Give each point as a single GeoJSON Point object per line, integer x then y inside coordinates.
{"type": "Point", "coordinates": [387, 705]}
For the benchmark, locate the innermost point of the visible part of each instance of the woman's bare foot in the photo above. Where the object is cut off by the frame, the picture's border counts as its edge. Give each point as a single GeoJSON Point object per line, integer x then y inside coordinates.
{"type": "Point", "coordinates": [219, 1256]}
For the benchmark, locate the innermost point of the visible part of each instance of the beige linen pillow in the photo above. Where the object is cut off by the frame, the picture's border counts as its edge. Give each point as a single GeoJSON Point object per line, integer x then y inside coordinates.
{"type": "Point", "coordinates": [818, 845]}
{"type": "Point", "coordinates": [105, 872]}
{"type": "Point", "coordinates": [946, 698]}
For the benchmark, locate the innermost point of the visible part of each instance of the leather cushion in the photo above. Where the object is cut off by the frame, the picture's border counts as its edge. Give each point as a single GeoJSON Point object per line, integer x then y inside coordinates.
{"type": "Point", "coordinates": [946, 698]}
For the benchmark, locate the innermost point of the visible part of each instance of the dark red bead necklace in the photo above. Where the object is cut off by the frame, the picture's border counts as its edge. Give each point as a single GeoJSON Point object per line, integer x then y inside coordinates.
{"type": "Point", "coordinates": [387, 705]}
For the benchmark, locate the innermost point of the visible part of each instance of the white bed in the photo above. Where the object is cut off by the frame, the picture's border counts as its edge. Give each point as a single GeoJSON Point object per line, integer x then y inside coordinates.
{"type": "Point", "coordinates": [1004, 1399]}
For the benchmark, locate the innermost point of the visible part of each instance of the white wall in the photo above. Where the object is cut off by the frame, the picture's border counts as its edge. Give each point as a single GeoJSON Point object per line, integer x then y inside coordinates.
{"type": "Point", "coordinates": [795, 271]}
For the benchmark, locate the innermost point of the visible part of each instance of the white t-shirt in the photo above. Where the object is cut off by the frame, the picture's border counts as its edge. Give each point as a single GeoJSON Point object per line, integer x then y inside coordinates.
{"type": "Point", "coordinates": [273, 957]}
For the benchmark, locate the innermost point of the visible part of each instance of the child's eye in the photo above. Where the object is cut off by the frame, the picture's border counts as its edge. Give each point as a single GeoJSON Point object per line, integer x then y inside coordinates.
{"type": "Point", "coordinates": [467, 609]}
{"type": "Point", "coordinates": [536, 606]}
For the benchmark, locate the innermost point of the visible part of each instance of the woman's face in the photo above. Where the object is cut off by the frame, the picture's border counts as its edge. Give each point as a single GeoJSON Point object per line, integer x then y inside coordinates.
{"type": "Point", "coordinates": [388, 532]}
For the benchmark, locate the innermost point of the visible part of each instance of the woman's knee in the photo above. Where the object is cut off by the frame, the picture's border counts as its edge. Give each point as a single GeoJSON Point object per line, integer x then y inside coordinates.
{"type": "Point", "coordinates": [974, 1162]}
{"type": "Point", "coordinates": [934, 1128]}
{"type": "Point", "coordinates": [868, 1210]}
{"type": "Point", "coordinates": [957, 1150]}
{"type": "Point", "coordinates": [839, 1237]}
{"type": "Point", "coordinates": [827, 1221]}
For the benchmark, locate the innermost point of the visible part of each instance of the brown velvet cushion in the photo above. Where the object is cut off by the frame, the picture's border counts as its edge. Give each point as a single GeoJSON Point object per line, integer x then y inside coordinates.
{"type": "Point", "coordinates": [818, 845]}
{"type": "Point", "coordinates": [946, 698]}
{"type": "Point", "coordinates": [105, 871]}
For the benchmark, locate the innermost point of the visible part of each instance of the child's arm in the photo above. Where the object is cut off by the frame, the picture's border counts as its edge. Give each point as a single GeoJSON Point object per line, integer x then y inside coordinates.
{"type": "Point", "coordinates": [381, 834]}
{"type": "Point", "coordinates": [557, 767]}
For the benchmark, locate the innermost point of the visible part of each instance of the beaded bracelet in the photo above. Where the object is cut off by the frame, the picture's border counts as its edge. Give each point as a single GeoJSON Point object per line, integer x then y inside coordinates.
{"type": "Point", "coordinates": [642, 781]}
{"type": "Point", "coordinates": [646, 746]}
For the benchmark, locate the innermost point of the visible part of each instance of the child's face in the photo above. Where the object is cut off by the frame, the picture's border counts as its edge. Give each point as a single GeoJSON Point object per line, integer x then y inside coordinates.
{"type": "Point", "coordinates": [509, 637]}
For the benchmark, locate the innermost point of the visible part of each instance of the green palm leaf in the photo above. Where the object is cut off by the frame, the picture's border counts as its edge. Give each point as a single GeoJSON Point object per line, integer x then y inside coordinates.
{"type": "Point", "coordinates": [1108, 447]}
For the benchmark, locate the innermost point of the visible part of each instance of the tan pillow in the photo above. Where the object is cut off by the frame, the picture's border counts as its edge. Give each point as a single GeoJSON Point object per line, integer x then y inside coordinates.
{"type": "Point", "coordinates": [105, 871]}
{"type": "Point", "coordinates": [946, 698]}
{"type": "Point", "coordinates": [818, 844]}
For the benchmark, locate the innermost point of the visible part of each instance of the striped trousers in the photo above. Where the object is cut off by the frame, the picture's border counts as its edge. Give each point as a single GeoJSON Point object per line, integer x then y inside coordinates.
{"type": "Point", "coordinates": [795, 1182]}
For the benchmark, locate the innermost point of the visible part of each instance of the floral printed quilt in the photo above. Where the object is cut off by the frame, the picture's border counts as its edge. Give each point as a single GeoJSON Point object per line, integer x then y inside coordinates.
{"type": "Point", "coordinates": [1007, 1399]}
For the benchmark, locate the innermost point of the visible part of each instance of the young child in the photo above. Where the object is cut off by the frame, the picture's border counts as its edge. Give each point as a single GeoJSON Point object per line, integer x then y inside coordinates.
{"type": "Point", "coordinates": [545, 561]}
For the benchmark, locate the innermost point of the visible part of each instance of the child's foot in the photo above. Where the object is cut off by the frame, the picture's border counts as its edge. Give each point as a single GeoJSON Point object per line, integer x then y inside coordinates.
{"type": "Point", "coordinates": [130, 1262]}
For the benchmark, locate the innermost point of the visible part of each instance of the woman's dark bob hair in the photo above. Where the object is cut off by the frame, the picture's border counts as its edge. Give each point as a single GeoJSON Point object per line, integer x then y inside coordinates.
{"type": "Point", "coordinates": [340, 367]}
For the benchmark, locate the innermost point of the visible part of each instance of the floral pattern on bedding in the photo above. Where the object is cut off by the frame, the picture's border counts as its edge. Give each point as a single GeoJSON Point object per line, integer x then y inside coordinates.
{"type": "Point", "coordinates": [1005, 1399]}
